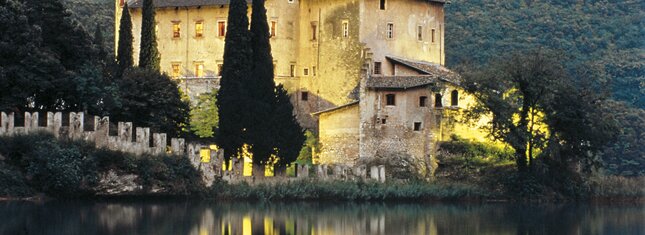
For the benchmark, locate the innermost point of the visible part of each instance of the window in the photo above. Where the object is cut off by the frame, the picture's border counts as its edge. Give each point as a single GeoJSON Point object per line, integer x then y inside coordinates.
{"type": "Point", "coordinates": [390, 30]}
{"type": "Point", "coordinates": [121, 2]}
{"type": "Point", "coordinates": [437, 101]}
{"type": "Point", "coordinates": [199, 70]}
{"type": "Point", "coordinates": [423, 100]}
{"type": "Point", "coordinates": [220, 67]}
{"type": "Point", "coordinates": [382, 4]}
{"type": "Point", "coordinates": [383, 120]}
{"type": "Point", "coordinates": [417, 126]}
{"type": "Point", "coordinates": [420, 33]}
{"type": "Point", "coordinates": [274, 25]}
{"type": "Point", "coordinates": [314, 31]}
{"type": "Point", "coordinates": [199, 29]}
{"type": "Point", "coordinates": [454, 98]}
{"type": "Point", "coordinates": [433, 35]}
{"type": "Point", "coordinates": [176, 30]}
{"type": "Point", "coordinates": [292, 70]}
{"type": "Point", "coordinates": [221, 28]}
{"type": "Point", "coordinates": [305, 71]}
{"type": "Point", "coordinates": [304, 96]}
{"type": "Point", "coordinates": [176, 70]}
{"type": "Point", "coordinates": [313, 70]}
{"type": "Point", "coordinates": [345, 28]}
{"type": "Point", "coordinates": [390, 99]}
{"type": "Point", "coordinates": [377, 67]}
{"type": "Point", "coordinates": [290, 1]}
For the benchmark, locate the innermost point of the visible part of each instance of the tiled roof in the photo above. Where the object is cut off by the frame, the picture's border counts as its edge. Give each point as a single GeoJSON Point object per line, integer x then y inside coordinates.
{"type": "Point", "coordinates": [428, 68]}
{"type": "Point", "coordinates": [180, 3]}
{"type": "Point", "coordinates": [336, 108]}
{"type": "Point", "coordinates": [400, 82]}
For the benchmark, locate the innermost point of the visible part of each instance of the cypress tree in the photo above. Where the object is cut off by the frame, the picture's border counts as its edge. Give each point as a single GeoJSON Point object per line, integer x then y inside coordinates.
{"type": "Point", "coordinates": [231, 96]}
{"type": "Point", "coordinates": [148, 55]}
{"type": "Point", "coordinates": [289, 136]}
{"type": "Point", "coordinates": [98, 43]}
{"type": "Point", "coordinates": [124, 50]}
{"type": "Point", "coordinates": [261, 87]}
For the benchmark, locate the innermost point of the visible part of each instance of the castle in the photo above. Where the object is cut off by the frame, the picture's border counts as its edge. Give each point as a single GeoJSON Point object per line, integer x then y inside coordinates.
{"type": "Point", "coordinates": [366, 75]}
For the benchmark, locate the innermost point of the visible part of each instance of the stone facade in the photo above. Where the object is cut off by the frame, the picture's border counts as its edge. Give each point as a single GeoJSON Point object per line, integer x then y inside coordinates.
{"type": "Point", "coordinates": [320, 47]}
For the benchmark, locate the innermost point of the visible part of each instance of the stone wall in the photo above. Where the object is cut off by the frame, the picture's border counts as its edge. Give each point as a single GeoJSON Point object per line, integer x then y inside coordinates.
{"type": "Point", "coordinates": [139, 140]}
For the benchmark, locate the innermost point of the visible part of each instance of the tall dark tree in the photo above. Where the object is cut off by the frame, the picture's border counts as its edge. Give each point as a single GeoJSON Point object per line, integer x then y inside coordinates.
{"type": "Point", "coordinates": [289, 135]}
{"type": "Point", "coordinates": [261, 88]}
{"type": "Point", "coordinates": [99, 44]}
{"type": "Point", "coordinates": [148, 54]}
{"type": "Point", "coordinates": [230, 98]}
{"type": "Point", "coordinates": [124, 50]}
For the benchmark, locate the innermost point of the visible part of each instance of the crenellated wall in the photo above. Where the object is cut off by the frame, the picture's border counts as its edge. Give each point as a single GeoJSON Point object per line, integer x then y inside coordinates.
{"type": "Point", "coordinates": [139, 140]}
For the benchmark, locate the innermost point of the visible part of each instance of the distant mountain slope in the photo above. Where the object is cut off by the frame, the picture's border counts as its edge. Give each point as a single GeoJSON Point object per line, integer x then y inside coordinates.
{"type": "Point", "coordinates": [92, 12]}
{"type": "Point", "coordinates": [602, 32]}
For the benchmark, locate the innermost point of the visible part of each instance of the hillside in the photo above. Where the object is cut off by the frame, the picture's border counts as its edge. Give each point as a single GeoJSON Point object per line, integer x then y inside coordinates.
{"type": "Point", "coordinates": [605, 34]}
{"type": "Point", "coordinates": [92, 12]}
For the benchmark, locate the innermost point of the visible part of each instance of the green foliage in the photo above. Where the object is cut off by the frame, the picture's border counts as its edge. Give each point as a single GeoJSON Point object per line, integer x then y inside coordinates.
{"type": "Point", "coordinates": [204, 118]}
{"type": "Point", "coordinates": [152, 100]}
{"type": "Point", "coordinates": [232, 107]}
{"type": "Point", "coordinates": [95, 12]}
{"type": "Point", "coordinates": [69, 169]}
{"type": "Point", "coordinates": [124, 53]}
{"type": "Point", "coordinates": [624, 156]}
{"type": "Point", "coordinates": [149, 56]}
{"type": "Point", "coordinates": [342, 190]}
{"type": "Point", "coordinates": [311, 147]}
{"type": "Point", "coordinates": [472, 152]}
{"type": "Point", "coordinates": [607, 34]}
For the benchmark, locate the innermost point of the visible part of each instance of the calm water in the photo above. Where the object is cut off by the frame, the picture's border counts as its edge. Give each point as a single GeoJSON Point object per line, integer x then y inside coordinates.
{"type": "Point", "coordinates": [193, 217]}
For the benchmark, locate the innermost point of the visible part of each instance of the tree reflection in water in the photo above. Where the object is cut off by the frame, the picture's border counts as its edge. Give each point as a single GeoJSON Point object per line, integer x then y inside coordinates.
{"type": "Point", "coordinates": [207, 218]}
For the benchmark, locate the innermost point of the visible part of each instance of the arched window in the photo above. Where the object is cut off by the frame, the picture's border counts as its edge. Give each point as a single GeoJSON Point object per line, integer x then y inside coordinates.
{"type": "Point", "coordinates": [454, 98]}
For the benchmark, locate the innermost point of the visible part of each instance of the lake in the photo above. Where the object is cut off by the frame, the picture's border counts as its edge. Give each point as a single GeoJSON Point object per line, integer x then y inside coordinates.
{"type": "Point", "coordinates": [204, 218]}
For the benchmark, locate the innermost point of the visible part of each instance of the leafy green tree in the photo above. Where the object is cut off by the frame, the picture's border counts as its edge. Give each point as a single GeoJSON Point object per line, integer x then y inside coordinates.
{"type": "Point", "coordinates": [311, 147]}
{"type": "Point", "coordinates": [149, 56]}
{"type": "Point", "coordinates": [124, 53]}
{"type": "Point", "coordinates": [204, 118]}
{"type": "Point", "coordinates": [152, 100]}
{"type": "Point", "coordinates": [231, 101]}
{"type": "Point", "coordinates": [261, 86]}
{"type": "Point", "coordinates": [531, 92]}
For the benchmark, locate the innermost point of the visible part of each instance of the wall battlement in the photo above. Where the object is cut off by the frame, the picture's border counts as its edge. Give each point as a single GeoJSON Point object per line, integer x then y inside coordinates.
{"type": "Point", "coordinates": [139, 140]}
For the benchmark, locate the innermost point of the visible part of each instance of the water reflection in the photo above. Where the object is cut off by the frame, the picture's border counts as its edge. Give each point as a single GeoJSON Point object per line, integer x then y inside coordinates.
{"type": "Point", "coordinates": [202, 218]}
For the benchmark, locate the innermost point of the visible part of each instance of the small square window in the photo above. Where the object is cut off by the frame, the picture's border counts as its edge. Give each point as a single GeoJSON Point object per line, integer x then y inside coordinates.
{"type": "Point", "coordinates": [313, 70]}
{"type": "Point", "coordinates": [305, 71]}
{"type": "Point", "coordinates": [220, 67]}
{"type": "Point", "coordinates": [382, 4]}
{"type": "Point", "coordinates": [417, 126]}
{"type": "Point", "coordinates": [383, 120]}
{"type": "Point", "coordinates": [314, 31]}
{"type": "Point", "coordinates": [377, 67]}
{"type": "Point", "coordinates": [423, 101]}
{"type": "Point", "coordinates": [390, 99]}
{"type": "Point", "coordinates": [345, 28]}
{"type": "Point", "coordinates": [432, 34]}
{"type": "Point", "coordinates": [304, 96]}
{"type": "Point", "coordinates": [438, 101]}
{"type": "Point", "coordinates": [274, 25]}
{"type": "Point", "coordinates": [390, 31]}
{"type": "Point", "coordinates": [292, 70]}
{"type": "Point", "coordinates": [199, 70]}
{"type": "Point", "coordinates": [176, 70]}
{"type": "Point", "coordinates": [291, 1]}
{"type": "Point", "coordinates": [420, 33]}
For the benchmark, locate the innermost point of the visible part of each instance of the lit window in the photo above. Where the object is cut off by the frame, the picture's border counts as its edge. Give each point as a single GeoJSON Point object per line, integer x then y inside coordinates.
{"type": "Point", "coordinates": [390, 99]}
{"type": "Point", "coordinates": [176, 30]}
{"type": "Point", "coordinates": [433, 35]}
{"type": "Point", "coordinates": [454, 98]}
{"type": "Point", "coordinates": [377, 67]}
{"type": "Point", "coordinates": [437, 101]}
{"type": "Point", "coordinates": [382, 5]}
{"type": "Point", "coordinates": [274, 25]}
{"type": "Point", "coordinates": [221, 28]}
{"type": "Point", "coordinates": [304, 96]}
{"type": "Point", "coordinates": [199, 29]}
{"type": "Point", "coordinates": [199, 70]}
{"type": "Point", "coordinates": [305, 72]}
{"type": "Point", "coordinates": [390, 30]}
{"type": "Point", "coordinates": [176, 70]}
{"type": "Point", "coordinates": [219, 69]}
{"type": "Point", "coordinates": [417, 126]}
{"type": "Point", "coordinates": [420, 33]}
{"type": "Point", "coordinates": [345, 28]}
{"type": "Point", "coordinates": [292, 70]}
{"type": "Point", "coordinates": [422, 101]}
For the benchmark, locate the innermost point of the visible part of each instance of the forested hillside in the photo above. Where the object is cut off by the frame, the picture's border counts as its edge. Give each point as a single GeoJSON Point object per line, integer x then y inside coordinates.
{"type": "Point", "coordinates": [91, 13]}
{"type": "Point", "coordinates": [605, 34]}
